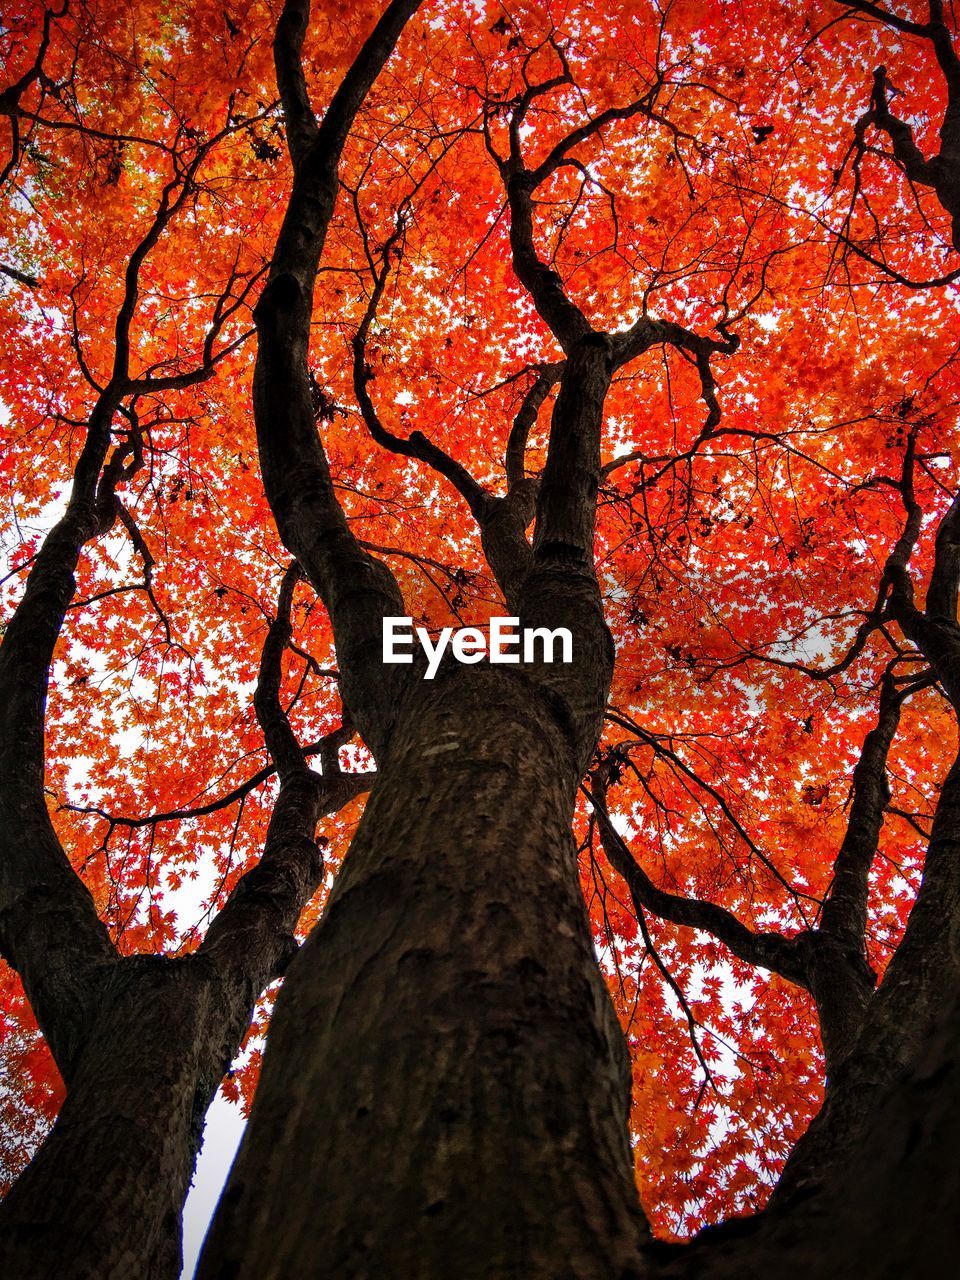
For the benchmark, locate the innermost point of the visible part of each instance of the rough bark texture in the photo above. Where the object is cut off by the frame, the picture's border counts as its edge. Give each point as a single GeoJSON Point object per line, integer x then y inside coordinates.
{"type": "Point", "coordinates": [142, 1042]}
{"type": "Point", "coordinates": [459, 1105]}
{"type": "Point", "coordinates": [152, 1037]}
{"type": "Point", "coordinates": [103, 1196]}
{"type": "Point", "coordinates": [446, 1089]}
{"type": "Point", "coordinates": [889, 1208]}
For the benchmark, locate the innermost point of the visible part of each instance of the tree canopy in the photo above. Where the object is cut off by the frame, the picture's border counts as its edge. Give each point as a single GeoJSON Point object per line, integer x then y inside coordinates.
{"type": "Point", "coordinates": [753, 205]}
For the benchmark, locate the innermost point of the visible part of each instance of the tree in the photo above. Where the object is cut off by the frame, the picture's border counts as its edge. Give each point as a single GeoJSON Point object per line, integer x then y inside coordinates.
{"type": "Point", "coordinates": [706, 274]}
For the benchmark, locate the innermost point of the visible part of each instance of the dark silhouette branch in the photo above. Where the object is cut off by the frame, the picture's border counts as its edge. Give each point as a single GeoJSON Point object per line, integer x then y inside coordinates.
{"type": "Point", "coordinates": [844, 914]}
{"type": "Point", "coordinates": [941, 172]}
{"type": "Point", "coordinates": [416, 445]}
{"type": "Point", "coordinates": [252, 937]}
{"type": "Point", "coordinates": [357, 589]}
{"type": "Point", "coordinates": [770, 951]}
{"type": "Point", "coordinates": [547, 377]}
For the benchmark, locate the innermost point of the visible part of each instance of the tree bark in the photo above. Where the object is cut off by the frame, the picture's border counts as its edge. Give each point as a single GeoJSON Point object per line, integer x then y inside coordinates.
{"type": "Point", "coordinates": [446, 1088]}
{"type": "Point", "coordinates": [103, 1196]}
{"type": "Point", "coordinates": [888, 1209]}
{"type": "Point", "coordinates": [152, 1037]}
{"type": "Point", "coordinates": [917, 986]}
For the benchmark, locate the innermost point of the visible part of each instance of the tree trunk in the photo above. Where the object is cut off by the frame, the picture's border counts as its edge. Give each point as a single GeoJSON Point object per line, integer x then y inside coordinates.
{"type": "Point", "coordinates": [886, 1211]}
{"type": "Point", "coordinates": [446, 1088]}
{"type": "Point", "coordinates": [918, 985]}
{"type": "Point", "coordinates": [104, 1194]}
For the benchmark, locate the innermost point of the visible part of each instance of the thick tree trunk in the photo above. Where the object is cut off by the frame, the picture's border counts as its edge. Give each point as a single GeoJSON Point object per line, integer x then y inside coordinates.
{"type": "Point", "coordinates": [446, 1087]}
{"type": "Point", "coordinates": [888, 1210]}
{"type": "Point", "coordinates": [917, 986]}
{"type": "Point", "coordinates": [103, 1196]}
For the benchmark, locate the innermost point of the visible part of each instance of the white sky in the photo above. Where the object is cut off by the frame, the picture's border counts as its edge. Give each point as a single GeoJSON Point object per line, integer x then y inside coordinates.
{"type": "Point", "coordinates": [222, 1131]}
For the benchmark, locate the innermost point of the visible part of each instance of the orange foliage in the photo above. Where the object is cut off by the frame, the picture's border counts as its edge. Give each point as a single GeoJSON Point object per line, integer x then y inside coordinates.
{"type": "Point", "coordinates": [727, 561]}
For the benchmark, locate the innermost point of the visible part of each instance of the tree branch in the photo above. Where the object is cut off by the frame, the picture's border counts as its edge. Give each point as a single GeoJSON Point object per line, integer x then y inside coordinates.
{"type": "Point", "coordinates": [889, 19]}
{"type": "Point", "coordinates": [548, 375]}
{"type": "Point", "coordinates": [357, 590]}
{"type": "Point", "coordinates": [844, 914]}
{"type": "Point", "coordinates": [416, 445]}
{"type": "Point", "coordinates": [252, 937]}
{"type": "Point", "coordinates": [770, 951]}
{"type": "Point", "coordinates": [49, 928]}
